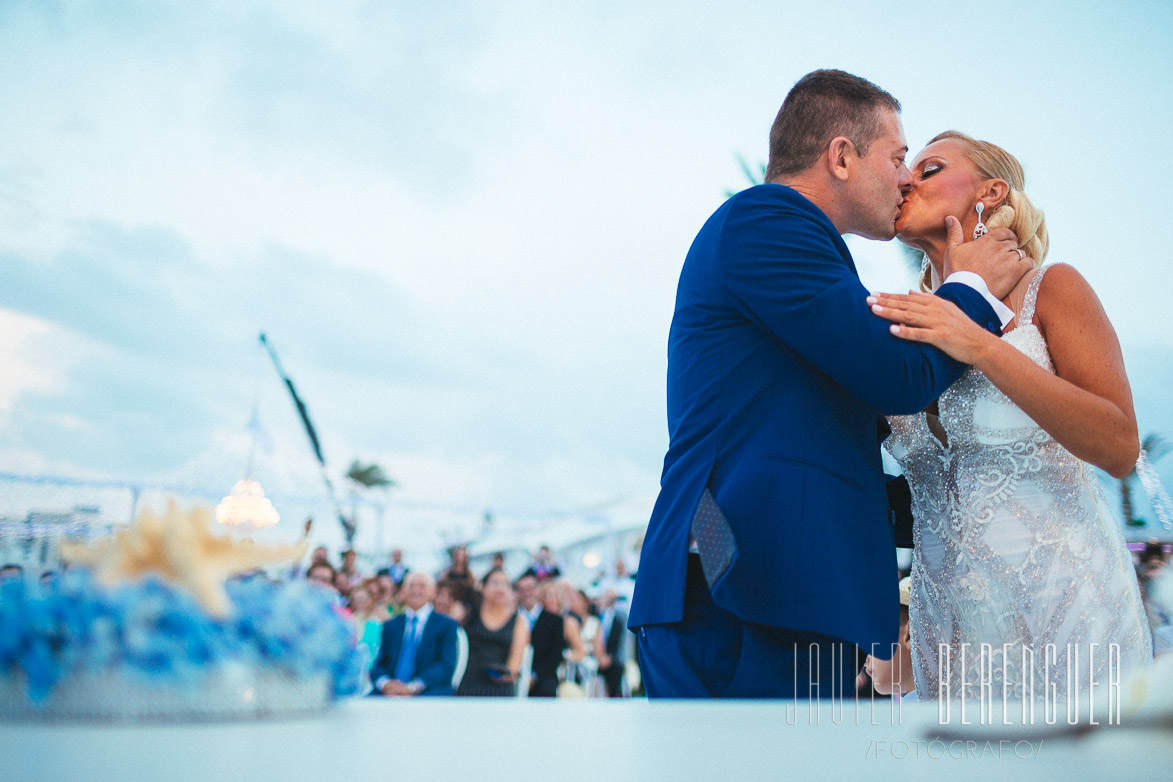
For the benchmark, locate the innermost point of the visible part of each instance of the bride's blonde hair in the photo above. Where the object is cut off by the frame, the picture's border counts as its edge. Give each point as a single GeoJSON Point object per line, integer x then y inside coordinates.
{"type": "Point", "coordinates": [1017, 212]}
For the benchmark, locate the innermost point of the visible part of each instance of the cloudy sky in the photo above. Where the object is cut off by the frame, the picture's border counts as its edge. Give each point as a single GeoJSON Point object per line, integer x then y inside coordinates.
{"type": "Point", "coordinates": [461, 223]}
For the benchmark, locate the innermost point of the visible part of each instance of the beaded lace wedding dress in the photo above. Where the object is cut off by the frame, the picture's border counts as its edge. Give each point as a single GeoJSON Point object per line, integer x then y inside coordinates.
{"type": "Point", "coordinates": [1015, 548]}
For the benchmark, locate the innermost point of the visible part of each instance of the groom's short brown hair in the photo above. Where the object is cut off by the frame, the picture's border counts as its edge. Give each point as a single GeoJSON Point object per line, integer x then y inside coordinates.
{"type": "Point", "coordinates": [822, 105]}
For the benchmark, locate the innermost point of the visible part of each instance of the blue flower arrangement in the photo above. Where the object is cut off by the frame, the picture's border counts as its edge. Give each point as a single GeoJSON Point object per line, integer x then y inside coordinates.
{"type": "Point", "coordinates": [157, 633]}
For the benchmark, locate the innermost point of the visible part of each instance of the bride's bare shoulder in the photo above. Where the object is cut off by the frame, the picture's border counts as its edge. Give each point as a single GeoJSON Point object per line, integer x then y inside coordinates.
{"type": "Point", "coordinates": [1062, 275]}
{"type": "Point", "coordinates": [1065, 296]}
{"type": "Point", "coordinates": [1063, 287]}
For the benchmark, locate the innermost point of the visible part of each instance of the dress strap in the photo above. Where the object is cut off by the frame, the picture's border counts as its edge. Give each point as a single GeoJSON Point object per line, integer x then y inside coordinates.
{"type": "Point", "coordinates": [1027, 315]}
{"type": "Point", "coordinates": [1158, 497]}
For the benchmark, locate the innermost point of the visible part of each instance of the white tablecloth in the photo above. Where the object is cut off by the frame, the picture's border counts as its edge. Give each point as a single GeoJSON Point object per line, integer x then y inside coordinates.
{"type": "Point", "coordinates": [481, 740]}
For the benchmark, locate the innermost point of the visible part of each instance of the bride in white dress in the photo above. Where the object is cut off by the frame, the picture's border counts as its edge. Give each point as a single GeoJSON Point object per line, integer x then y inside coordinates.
{"type": "Point", "coordinates": [1015, 545]}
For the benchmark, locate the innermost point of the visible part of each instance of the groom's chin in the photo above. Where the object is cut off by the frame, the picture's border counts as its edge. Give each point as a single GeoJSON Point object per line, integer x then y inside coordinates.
{"type": "Point", "coordinates": [878, 234]}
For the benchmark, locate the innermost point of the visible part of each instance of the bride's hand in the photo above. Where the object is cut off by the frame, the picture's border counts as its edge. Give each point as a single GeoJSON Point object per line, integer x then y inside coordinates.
{"type": "Point", "coordinates": [921, 317]}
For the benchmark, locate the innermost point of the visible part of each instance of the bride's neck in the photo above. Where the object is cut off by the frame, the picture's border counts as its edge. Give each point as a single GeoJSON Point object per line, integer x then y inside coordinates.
{"type": "Point", "coordinates": [935, 251]}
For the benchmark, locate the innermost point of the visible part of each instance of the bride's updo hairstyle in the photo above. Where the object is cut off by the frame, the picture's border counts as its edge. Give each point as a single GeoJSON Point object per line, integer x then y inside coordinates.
{"type": "Point", "coordinates": [1017, 212]}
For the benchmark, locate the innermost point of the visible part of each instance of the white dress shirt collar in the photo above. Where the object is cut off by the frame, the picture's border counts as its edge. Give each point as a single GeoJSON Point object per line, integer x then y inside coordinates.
{"type": "Point", "coordinates": [422, 615]}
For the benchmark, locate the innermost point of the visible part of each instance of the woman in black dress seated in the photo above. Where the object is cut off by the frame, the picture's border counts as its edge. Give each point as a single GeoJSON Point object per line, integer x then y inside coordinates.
{"type": "Point", "coordinates": [496, 640]}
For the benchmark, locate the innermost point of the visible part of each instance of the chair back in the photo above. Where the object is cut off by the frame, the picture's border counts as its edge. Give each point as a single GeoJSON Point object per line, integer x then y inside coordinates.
{"type": "Point", "coordinates": [461, 657]}
{"type": "Point", "coordinates": [526, 675]}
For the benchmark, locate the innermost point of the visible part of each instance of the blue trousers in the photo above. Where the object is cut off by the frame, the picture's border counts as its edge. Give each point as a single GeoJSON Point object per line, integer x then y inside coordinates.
{"type": "Point", "coordinates": [711, 653]}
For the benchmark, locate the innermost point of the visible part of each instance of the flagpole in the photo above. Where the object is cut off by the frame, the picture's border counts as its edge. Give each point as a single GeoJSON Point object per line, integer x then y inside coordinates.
{"type": "Point", "coordinates": [348, 527]}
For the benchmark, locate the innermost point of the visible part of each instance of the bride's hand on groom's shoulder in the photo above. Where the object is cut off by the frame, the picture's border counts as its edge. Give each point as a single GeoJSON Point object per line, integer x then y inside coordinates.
{"type": "Point", "coordinates": [994, 257]}
{"type": "Point", "coordinates": [922, 317]}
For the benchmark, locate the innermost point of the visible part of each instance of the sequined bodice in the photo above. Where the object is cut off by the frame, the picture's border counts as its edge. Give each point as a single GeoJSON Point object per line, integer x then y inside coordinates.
{"type": "Point", "coordinates": [1014, 540]}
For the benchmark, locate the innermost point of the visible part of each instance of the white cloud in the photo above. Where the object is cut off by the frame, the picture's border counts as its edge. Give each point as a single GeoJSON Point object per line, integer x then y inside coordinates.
{"type": "Point", "coordinates": [24, 370]}
{"type": "Point", "coordinates": [463, 225]}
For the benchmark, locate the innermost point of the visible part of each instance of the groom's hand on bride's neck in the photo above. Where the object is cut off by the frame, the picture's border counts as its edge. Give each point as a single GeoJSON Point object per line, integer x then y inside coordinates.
{"type": "Point", "coordinates": [994, 257]}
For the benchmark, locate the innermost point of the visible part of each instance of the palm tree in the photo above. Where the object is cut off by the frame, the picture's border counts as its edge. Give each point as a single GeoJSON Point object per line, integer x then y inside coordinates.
{"type": "Point", "coordinates": [369, 476]}
{"type": "Point", "coordinates": [364, 477]}
{"type": "Point", "coordinates": [755, 175]}
{"type": "Point", "coordinates": [1156, 446]}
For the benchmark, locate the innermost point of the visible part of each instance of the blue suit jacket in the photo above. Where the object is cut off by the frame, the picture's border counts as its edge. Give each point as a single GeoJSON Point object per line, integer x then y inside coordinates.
{"type": "Point", "coordinates": [435, 660]}
{"type": "Point", "coordinates": [778, 375]}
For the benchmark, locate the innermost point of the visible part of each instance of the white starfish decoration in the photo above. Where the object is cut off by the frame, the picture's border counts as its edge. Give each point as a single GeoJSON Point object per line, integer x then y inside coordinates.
{"type": "Point", "coordinates": [180, 547]}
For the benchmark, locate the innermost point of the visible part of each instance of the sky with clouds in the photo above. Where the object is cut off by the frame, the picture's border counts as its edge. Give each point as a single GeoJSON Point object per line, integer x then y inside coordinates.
{"type": "Point", "coordinates": [461, 223]}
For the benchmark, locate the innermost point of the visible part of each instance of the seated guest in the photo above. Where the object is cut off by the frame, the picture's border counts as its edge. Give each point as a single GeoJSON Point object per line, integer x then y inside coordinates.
{"type": "Point", "coordinates": [350, 569]}
{"type": "Point", "coordinates": [458, 572]}
{"type": "Point", "coordinates": [367, 623]}
{"type": "Point", "coordinates": [553, 601]}
{"type": "Point", "coordinates": [321, 573]}
{"type": "Point", "coordinates": [543, 566]}
{"type": "Point", "coordinates": [418, 654]}
{"type": "Point", "coordinates": [567, 593]}
{"type": "Point", "coordinates": [383, 592]}
{"type": "Point", "coordinates": [587, 614]}
{"type": "Point", "coordinates": [446, 602]}
{"type": "Point", "coordinates": [560, 595]}
{"type": "Point", "coordinates": [547, 636]}
{"type": "Point", "coordinates": [621, 581]}
{"type": "Point", "coordinates": [497, 638]}
{"type": "Point", "coordinates": [342, 583]}
{"type": "Point", "coordinates": [397, 570]}
{"type": "Point", "coordinates": [318, 556]}
{"type": "Point", "coordinates": [609, 646]}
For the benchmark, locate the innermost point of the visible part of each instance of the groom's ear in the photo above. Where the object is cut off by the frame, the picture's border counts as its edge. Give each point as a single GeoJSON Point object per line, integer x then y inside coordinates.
{"type": "Point", "coordinates": [841, 156]}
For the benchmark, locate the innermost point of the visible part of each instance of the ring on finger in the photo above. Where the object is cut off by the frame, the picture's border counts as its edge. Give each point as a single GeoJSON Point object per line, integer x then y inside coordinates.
{"type": "Point", "coordinates": [1021, 254]}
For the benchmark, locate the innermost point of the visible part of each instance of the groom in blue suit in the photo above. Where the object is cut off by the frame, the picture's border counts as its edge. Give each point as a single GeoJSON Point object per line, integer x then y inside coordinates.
{"type": "Point", "coordinates": [770, 554]}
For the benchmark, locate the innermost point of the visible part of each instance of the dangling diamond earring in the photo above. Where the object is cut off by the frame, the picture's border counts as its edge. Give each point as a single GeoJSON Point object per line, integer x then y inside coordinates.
{"type": "Point", "coordinates": [980, 229]}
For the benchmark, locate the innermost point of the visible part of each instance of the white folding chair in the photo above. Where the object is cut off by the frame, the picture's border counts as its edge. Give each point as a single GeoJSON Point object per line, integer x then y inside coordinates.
{"type": "Point", "coordinates": [461, 657]}
{"type": "Point", "coordinates": [526, 674]}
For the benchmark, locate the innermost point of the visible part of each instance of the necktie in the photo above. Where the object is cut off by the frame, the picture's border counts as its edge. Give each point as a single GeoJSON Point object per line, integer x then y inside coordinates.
{"type": "Point", "coordinates": [406, 665]}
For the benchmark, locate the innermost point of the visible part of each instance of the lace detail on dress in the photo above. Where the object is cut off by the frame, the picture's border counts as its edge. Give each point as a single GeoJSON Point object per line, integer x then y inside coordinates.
{"type": "Point", "coordinates": [1015, 545]}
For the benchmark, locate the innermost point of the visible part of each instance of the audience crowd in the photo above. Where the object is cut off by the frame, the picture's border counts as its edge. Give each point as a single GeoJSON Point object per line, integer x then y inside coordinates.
{"type": "Point", "coordinates": [534, 634]}
{"type": "Point", "coordinates": [537, 634]}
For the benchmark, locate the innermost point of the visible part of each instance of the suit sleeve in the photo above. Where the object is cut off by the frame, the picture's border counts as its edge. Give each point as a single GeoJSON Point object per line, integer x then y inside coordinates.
{"type": "Point", "coordinates": [438, 672]}
{"type": "Point", "coordinates": [784, 273]}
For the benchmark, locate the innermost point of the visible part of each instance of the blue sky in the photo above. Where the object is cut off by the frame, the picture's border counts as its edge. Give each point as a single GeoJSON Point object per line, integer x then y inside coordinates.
{"type": "Point", "coordinates": [461, 223]}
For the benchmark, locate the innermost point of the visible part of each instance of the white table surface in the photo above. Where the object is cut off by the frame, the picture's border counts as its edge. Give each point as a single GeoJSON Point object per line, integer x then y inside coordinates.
{"type": "Point", "coordinates": [481, 740]}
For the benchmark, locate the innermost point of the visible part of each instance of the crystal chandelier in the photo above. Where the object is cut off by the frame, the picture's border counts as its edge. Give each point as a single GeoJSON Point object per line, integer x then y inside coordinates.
{"type": "Point", "coordinates": [246, 505]}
